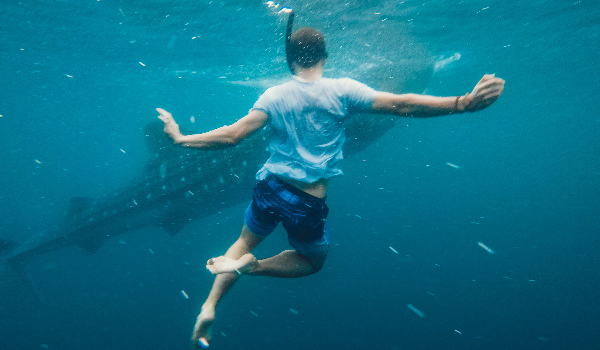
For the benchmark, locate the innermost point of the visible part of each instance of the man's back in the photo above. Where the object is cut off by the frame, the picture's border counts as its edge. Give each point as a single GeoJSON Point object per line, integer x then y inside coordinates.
{"type": "Point", "coordinates": [307, 122]}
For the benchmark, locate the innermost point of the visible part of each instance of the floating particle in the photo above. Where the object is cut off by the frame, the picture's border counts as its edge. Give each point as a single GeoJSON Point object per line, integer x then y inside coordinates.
{"type": "Point", "coordinates": [143, 65]}
{"type": "Point", "coordinates": [453, 165]}
{"type": "Point", "coordinates": [531, 280]}
{"type": "Point", "coordinates": [44, 346]}
{"type": "Point", "coordinates": [394, 250]}
{"type": "Point", "coordinates": [415, 310]}
{"type": "Point", "coordinates": [68, 76]}
{"type": "Point", "coordinates": [37, 161]}
{"type": "Point", "coordinates": [293, 311]}
{"type": "Point", "coordinates": [184, 294]}
{"type": "Point", "coordinates": [254, 313]}
{"type": "Point", "coordinates": [190, 192]}
{"type": "Point", "coordinates": [486, 248]}
{"type": "Point", "coordinates": [223, 334]}
{"type": "Point", "coordinates": [151, 251]}
{"type": "Point", "coordinates": [192, 119]}
{"type": "Point", "coordinates": [358, 216]}
{"type": "Point", "coordinates": [123, 151]}
{"type": "Point", "coordinates": [457, 331]}
{"type": "Point", "coordinates": [134, 202]}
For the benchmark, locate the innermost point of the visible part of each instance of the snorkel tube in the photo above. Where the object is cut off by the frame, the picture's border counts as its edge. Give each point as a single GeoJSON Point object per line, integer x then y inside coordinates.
{"type": "Point", "coordinates": [288, 37]}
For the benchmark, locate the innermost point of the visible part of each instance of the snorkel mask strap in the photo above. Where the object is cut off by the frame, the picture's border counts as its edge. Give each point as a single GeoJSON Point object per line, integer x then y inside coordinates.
{"type": "Point", "coordinates": [288, 37]}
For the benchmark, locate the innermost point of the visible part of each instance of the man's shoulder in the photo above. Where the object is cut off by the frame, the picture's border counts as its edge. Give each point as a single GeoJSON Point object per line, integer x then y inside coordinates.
{"type": "Point", "coordinates": [344, 81]}
{"type": "Point", "coordinates": [282, 86]}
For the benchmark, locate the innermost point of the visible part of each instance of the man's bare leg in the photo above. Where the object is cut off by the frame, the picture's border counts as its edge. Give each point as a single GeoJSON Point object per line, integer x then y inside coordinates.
{"type": "Point", "coordinates": [223, 282]}
{"type": "Point", "coordinates": [287, 264]}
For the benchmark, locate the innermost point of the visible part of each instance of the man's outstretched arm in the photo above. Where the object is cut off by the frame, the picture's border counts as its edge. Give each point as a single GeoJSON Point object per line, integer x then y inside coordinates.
{"type": "Point", "coordinates": [225, 136]}
{"type": "Point", "coordinates": [486, 92]}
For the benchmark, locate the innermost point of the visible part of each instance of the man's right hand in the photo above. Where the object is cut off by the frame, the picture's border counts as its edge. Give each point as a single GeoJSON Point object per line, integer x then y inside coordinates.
{"type": "Point", "coordinates": [171, 127]}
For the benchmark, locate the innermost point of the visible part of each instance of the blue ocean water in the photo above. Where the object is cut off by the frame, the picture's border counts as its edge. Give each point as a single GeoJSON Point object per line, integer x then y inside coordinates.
{"type": "Point", "coordinates": [80, 81]}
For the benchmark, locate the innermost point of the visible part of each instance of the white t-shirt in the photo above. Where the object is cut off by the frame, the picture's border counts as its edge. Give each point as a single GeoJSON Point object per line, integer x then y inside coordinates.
{"type": "Point", "coordinates": [307, 122]}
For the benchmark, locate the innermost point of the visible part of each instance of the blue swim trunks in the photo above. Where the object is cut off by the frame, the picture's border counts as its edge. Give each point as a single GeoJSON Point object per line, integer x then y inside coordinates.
{"type": "Point", "coordinates": [302, 215]}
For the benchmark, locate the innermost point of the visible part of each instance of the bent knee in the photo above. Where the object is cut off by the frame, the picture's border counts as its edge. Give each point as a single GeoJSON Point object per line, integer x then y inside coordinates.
{"type": "Point", "coordinates": [317, 261]}
{"type": "Point", "coordinates": [318, 266]}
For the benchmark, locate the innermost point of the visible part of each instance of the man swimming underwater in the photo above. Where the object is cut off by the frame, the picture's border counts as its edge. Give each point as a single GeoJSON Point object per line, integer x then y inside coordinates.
{"type": "Point", "coordinates": [306, 116]}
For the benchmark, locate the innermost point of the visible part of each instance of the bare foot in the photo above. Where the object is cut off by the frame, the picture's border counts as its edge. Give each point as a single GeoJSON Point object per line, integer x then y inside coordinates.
{"type": "Point", "coordinates": [222, 264]}
{"type": "Point", "coordinates": [202, 329]}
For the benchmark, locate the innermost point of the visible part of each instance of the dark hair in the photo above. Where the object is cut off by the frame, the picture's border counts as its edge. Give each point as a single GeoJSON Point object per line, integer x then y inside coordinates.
{"type": "Point", "coordinates": [306, 47]}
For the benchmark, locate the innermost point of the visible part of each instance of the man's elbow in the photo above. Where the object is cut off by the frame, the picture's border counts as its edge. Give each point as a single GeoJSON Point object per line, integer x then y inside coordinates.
{"type": "Point", "coordinates": [233, 141]}
{"type": "Point", "coordinates": [398, 109]}
{"type": "Point", "coordinates": [393, 104]}
{"type": "Point", "coordinates": [232, 137]}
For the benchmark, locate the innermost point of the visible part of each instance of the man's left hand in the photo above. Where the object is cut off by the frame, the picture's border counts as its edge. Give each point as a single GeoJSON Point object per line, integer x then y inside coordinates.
{"type": "Point", "coordinates": [486, 92]}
